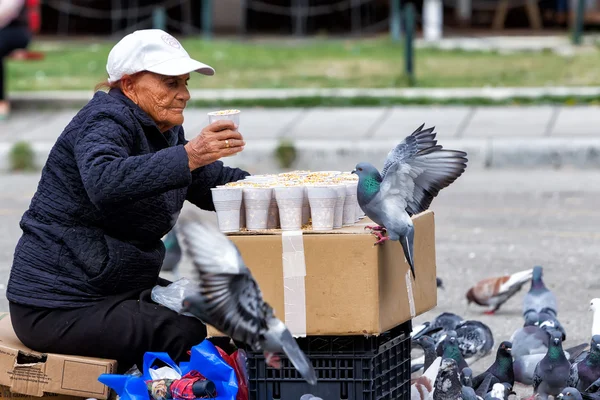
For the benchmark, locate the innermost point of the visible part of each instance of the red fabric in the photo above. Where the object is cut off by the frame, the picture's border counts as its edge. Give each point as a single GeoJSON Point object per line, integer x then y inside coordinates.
{"type": "Point", "coordinates": [183, 388]}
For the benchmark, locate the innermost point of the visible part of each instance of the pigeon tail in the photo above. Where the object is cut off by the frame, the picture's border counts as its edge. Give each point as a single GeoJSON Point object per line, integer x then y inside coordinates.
{"type": "Point", "coordinates": [297, 357]}
{"type": "Point", "coordinates": [408, 246]}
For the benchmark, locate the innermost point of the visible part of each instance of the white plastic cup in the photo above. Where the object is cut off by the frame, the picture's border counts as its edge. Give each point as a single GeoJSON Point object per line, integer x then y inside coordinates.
{"type": "Point", "coordinates": [289, 202]}
{"type": "Point", "coordinates": [306, 214]}
{"type": "Point", "coordinates": [257, 201]}
{"type": "Point", "coordinates": [228, 202]}
{"type": "Point", "coordinates": [273, 221]}
{"type": "Point", "coordinates": [230, 115]}
{"type": "Point", "coordinates": [350, 203]}
{"type": "Point", "coordinates": [322, 206]}
{"type": "Point", "coordinates": [338, 217]}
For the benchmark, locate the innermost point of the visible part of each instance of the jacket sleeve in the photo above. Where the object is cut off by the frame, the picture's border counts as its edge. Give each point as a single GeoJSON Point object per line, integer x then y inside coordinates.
{"type": "Point", "coordinates": [207, 177]}
{"type": "Point", "coordinates": [111, 176]}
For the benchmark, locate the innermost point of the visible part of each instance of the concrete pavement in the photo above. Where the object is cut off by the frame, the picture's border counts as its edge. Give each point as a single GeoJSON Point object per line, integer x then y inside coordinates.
{"type": "Point", "coordinates": [331, 138]}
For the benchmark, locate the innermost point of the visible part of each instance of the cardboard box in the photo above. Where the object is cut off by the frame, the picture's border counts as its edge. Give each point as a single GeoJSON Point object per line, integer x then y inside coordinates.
{"type": "Point", "coordinates": [28, 372]}
{"type": "Point", "coordinates": [338, 282]}
{"type": "Point", "coordinates": [5, 393]}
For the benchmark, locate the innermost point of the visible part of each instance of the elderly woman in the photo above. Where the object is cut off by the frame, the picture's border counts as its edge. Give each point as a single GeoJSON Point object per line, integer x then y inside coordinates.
{"type": "Point", "coordinates": [113, 186]}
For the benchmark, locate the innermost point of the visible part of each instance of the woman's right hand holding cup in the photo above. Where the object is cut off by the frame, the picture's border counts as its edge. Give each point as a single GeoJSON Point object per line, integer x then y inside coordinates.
{"type": "Point", "coordinates": [217, 140]}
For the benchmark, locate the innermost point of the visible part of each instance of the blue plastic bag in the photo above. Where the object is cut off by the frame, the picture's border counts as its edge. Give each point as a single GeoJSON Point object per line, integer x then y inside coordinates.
{"type": "Point", "coordinates": [205, 359]}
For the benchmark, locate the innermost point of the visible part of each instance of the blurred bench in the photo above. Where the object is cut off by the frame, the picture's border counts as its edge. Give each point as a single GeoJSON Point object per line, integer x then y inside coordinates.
{"type": "Point", "coordinates": [26, 55]}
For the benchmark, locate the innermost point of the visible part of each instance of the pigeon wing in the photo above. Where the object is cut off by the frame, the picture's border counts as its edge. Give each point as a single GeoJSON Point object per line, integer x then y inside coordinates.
{"type": "Point", "coordinates": [408, 147]}
{"type": "Point", "coordinates": [228, 296]}
{"type": "Point", "coordinates": [573, 376]}
{"type": "Point", "coordinates": [234, 305]}
{"type": "Point", "coordinates": [418, 168]}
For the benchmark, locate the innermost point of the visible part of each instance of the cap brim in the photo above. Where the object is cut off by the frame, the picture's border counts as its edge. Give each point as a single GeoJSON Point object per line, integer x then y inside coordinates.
{"type": "Point", "coordinates": [181, 66]}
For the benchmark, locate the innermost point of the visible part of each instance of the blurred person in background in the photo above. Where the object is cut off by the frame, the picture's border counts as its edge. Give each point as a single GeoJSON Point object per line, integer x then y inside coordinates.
{"type": "Point", "coordinates": [14, 34]}
{"type": "Point", "coordinates": [112, 187]}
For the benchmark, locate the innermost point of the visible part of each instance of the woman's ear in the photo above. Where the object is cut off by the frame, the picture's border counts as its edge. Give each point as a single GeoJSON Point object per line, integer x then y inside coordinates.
{"type": "Point", "coordinates": [128, 87]}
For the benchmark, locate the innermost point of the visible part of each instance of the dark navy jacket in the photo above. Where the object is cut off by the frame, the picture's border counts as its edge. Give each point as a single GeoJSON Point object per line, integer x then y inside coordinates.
{"type": "Point", "coordinates": [112, 187]}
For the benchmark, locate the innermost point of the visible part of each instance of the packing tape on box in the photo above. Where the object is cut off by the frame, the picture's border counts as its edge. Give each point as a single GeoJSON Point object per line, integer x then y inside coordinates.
{"type": "Point", "coordinates": [409, 292]}
{"type": "Point", "coordinates": [294, 272]}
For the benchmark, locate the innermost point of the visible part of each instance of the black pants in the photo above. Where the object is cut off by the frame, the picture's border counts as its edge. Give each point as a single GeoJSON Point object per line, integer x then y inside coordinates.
{"type": "Point", "coordinates": [122, 327]}
{"type": "Point", "coordinates": [11, 38]}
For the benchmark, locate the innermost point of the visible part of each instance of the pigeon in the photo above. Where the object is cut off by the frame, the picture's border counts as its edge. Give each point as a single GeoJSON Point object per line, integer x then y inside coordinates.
{"type": "Point", "coordinates": [230, 299]}
{"type": "Point", "coordinates": [423, 387]}
{"type": "Point", "coordinates": [524, 367]}
{"type": "Point", "coordinates": [475, 340]}
{"type": "Point", "coordinates": [502, 368]}
{"type": "Point", "coordinates": [500, 391]}
{"type": "Point", "coordinates": [172, 252]}
{"type": "Point", "coordinates": [466, 379]}
{"type": "Point", "coordinates": [428, 346]}
{"type": "Point", "coordinates": [552, 373]}
{"type": "Point", "coordinates": [539, 296]}
{"type": "Point", "coordinates": [595, 308]}
{"type": "Point", "coordinates": [531, 339]}
{"type": "Point", "coordinates": [447, 383]}
{"type": "Point", "coordinates": [413, 174]}
{"type": "Point", "coordinates": [587, 371]}
{"type": "Point", "coordinates": [448, 348]}
{"type": "Point", "coordinates": [439, 282]}
{"type": "Point", "coordinates": [494, 292]}
{"type": "Point", "coordinates": [569, 393]}
{"type": "Point", "coordinates": [447, 321]}
{"type": "Point", "coordinates": [488, 382]}
{"type": "Point", "coordinates": [547, 318]}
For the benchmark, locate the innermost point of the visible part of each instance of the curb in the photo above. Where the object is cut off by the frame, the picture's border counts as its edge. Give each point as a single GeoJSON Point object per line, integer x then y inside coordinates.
{"type": "Point", "coordinates": [77, 98]}
{"type": "Point", "coordinates": [492, 153]}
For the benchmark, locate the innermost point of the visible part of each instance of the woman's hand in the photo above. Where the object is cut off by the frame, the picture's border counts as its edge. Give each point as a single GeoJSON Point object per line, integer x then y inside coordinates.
{"type": "Point", "coordinates": [219, 139]}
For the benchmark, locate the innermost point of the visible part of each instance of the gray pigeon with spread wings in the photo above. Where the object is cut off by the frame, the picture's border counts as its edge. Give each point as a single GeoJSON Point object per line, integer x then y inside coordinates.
{"type": "Point", "coordinates": [412, 175]}
{"type": "Point", "coordinates": [229, 298]}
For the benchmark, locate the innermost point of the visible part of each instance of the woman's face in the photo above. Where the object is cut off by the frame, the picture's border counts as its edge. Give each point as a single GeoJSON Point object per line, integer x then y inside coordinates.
{"type": "Point", "coordinates": [162, 97]}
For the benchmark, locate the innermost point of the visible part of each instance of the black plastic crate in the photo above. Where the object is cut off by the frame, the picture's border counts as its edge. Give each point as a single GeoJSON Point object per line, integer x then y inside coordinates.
{"type": "Point", "coordinates": [347, 367]}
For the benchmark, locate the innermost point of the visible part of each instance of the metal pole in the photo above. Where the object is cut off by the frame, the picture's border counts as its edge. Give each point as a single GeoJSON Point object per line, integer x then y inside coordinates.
{"type": "Point", "coordinates": [159, 18]}
{"type": "Point", "coordinates": [395, 20]}
{"type": "Point", "coordinates": [243, 28]}
{"type": "Point", "coordinates": [578, 26]}
{"type": "Point", "coordinates": [299, 22]}
{"type": "Point", "coordinates": [356, 17]}
{"type": "Point", "coordinates": [409, 15]}
{"type": "Point", "coordinates": [207, 11]}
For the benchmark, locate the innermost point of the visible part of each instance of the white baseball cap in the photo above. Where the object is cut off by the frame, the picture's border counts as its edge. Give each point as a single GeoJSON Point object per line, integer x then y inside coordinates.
{"type": "Point", "coordinates": [151, 50]}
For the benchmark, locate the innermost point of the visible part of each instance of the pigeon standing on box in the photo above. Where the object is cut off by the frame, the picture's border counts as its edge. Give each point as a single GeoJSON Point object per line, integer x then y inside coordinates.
{"type": "Point", "coordinates": [413, 174]}
{"type": "Point", "coordinates": [230, 299]}
{"type": "Point", "coordinates": [494, 292]}
{"type": "Point", "coordinates": [539, 296]}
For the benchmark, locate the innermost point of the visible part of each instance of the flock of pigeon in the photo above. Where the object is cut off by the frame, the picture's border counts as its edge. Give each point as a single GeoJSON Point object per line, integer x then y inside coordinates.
{"type": "Point", "coordinates": [534, 355]}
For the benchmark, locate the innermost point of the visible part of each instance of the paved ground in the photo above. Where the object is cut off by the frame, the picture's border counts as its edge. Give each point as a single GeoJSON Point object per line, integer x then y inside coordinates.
{"type": "Point", "coordinates": [488, 223]}
{"type": "Point", "coordinates": [328, 138]}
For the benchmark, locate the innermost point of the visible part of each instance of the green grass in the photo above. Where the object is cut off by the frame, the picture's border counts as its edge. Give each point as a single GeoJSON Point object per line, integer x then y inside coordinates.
{"type": "Point", "coordinates": [374, 63]}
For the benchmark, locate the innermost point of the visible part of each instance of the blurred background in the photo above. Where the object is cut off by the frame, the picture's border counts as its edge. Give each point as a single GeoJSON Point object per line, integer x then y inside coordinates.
{"type": "Point", "coordinates": [325, 84]}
